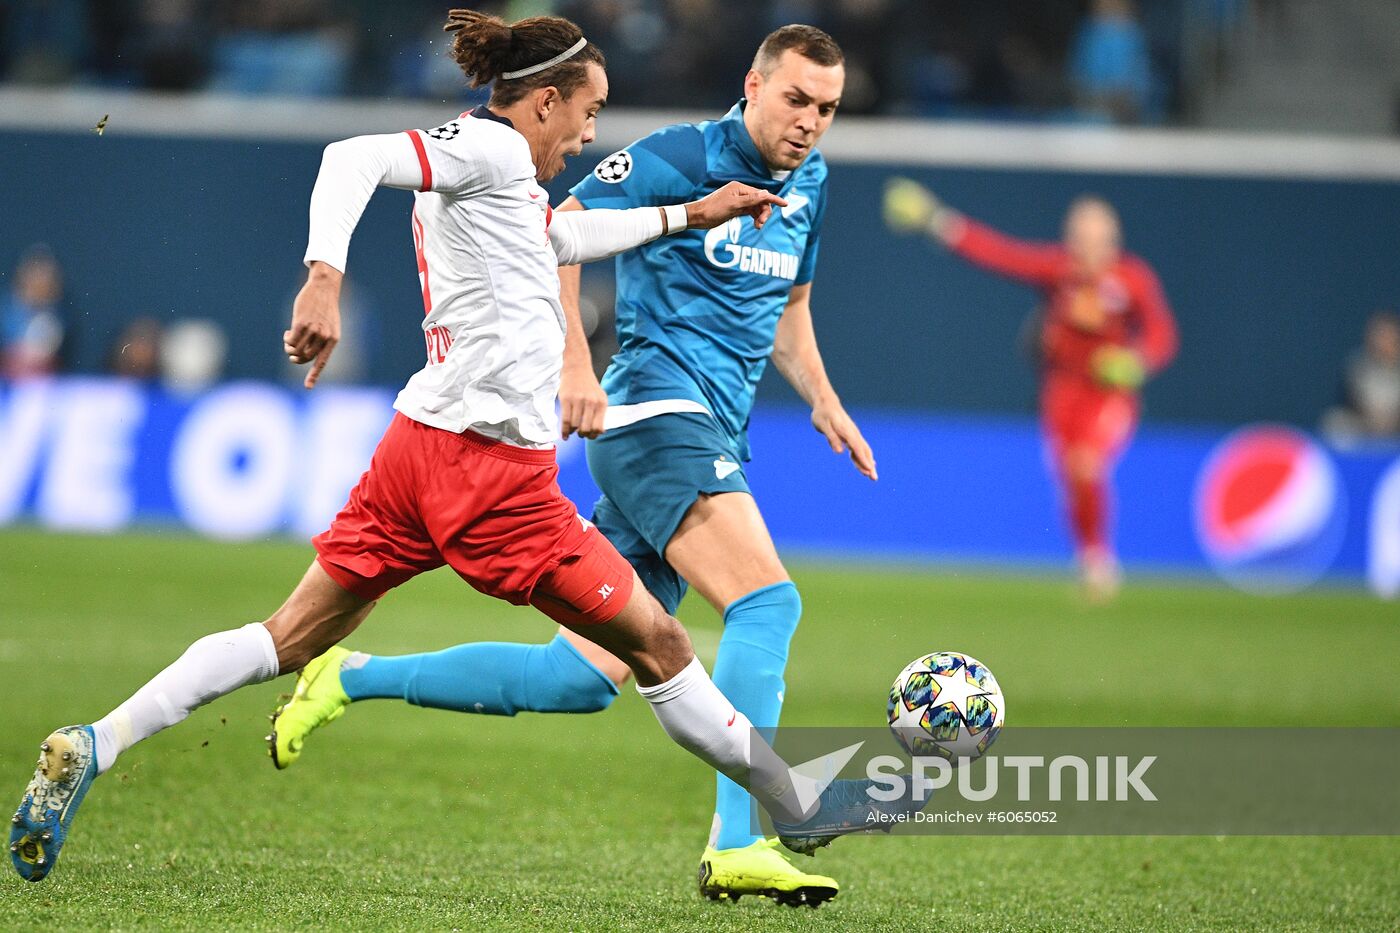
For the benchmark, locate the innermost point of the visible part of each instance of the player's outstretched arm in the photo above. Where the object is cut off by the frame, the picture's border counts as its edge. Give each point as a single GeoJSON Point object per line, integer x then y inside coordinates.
{"type": "Point", "coordinates": [587, 236]}
{"type": "Point", "coordinates": [909, 207]}
{"type": "Point", "coordinates": [797, 357]}
{"type": "Point", "coordinates": [733, 200]}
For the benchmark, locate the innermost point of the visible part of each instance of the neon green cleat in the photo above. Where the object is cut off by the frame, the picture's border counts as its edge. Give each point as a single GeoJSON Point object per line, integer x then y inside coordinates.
{"type": "Point", "coordinates": [763, 870]}
{"type": "Point", "coordinates": [318, 699]}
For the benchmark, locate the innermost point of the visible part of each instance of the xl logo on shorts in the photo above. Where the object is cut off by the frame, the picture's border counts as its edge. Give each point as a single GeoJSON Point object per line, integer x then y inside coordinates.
{"type": "Point", "coordinates": [748, 258]}
{"type": "Point", "coordinates": [605, 590]}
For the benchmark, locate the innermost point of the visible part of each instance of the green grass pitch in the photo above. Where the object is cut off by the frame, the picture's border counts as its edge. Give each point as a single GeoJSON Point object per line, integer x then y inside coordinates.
{"type": "Point", "coordinates": [405, 818]}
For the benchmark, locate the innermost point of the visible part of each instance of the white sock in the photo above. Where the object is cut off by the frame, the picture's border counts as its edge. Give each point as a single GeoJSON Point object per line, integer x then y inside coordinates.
{"type": "Point", "coordinates": [211, 667]}
{"type": "Point", "coordinates": [699, 719]}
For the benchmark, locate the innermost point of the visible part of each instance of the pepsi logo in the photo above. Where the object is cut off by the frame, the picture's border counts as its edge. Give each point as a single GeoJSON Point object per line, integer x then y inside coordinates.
{"type": "Point", "coordinates": [1269, 512]}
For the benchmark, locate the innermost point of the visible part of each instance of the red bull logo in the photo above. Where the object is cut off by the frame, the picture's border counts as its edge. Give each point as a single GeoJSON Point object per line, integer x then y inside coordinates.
{"type": "Point", "coordinates": [1269, 511]}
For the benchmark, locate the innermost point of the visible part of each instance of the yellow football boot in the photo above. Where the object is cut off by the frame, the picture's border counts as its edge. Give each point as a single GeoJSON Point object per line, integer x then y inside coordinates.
{"type": "Point", "coordinates": [763, 870]}
{"type": "Point", "coordinates": [317, 699]}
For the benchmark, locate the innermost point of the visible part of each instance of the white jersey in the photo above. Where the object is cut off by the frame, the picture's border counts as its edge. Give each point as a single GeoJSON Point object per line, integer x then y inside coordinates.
{"type": "Point", "coordinates": [488, 266]}
{"type": "Point", "coordinates": [493, 325]}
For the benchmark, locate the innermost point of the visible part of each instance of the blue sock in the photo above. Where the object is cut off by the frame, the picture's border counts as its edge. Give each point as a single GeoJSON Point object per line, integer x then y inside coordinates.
{"type": "Point", "coordinates": [749, 671]}
{"type": "Point", "coordinates": [497, 678]}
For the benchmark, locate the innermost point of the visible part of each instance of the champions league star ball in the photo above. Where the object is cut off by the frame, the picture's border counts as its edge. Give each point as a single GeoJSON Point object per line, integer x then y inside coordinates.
{"type": "Point", "coordinates": [947, 705]}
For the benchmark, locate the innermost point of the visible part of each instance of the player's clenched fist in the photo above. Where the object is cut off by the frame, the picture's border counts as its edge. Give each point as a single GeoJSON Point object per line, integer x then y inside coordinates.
{"type": "Point", "coordinates": [315, 321]}
{"type": "Point", "coordinates": [733, 200]}
{"type": "Point", "coordinates": [582, 401]}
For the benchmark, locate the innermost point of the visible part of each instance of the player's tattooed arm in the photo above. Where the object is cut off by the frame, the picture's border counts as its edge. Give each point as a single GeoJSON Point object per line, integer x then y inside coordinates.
{"type": "Point", "coordinates": [582, 401]}
{"type": "Point", "coordinates": [797, 357]}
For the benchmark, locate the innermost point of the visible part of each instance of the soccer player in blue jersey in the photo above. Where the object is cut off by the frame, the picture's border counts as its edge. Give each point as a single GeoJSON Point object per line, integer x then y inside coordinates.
{"type": "Point", "coordinates": [699, 316]}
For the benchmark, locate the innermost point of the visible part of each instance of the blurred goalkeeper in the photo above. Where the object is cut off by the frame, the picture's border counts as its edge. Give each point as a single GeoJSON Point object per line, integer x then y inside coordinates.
{"type": "Point", "coordinates": [1105, 327]}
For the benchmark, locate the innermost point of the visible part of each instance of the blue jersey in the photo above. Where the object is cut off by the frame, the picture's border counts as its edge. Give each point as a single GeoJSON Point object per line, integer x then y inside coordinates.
{"type": "Point", "coordinates": [697, 311]}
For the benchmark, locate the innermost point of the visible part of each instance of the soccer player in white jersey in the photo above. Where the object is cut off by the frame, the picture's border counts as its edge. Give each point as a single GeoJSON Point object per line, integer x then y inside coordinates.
{"type": "Point", "coordinates": [465, 475]}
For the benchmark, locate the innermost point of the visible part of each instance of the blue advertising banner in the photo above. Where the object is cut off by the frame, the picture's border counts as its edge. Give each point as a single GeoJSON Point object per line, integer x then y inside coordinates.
{"type": "Point", "coordinates": [1265, 507]}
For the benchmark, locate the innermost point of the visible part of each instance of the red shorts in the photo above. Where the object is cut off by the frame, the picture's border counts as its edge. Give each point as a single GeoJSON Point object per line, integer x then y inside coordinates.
{"type": "Point", "coordinates": [1076, 412]}
{"type": "Point", "coordinates": [491, 511]}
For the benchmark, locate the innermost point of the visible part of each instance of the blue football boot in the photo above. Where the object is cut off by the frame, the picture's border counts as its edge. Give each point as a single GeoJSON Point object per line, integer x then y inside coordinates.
{"type": "Point", "coordinates": [847, 807]}
{"type": "Point", "coordinates": [67, 765]}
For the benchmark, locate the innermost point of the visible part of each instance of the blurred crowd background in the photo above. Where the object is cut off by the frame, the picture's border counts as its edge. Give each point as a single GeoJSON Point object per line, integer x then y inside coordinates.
{"type": "Point", "coordinates": [1156, 61]}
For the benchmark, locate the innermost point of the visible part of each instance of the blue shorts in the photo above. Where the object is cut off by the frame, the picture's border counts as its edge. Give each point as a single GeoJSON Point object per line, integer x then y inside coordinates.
{"type": "Point", "coordinates": [651, 472]}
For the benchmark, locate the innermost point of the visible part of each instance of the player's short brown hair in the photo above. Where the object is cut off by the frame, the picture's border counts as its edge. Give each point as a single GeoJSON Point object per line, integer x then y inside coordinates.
{"type": "Point", "coordinates": [808, 41]}
{"type": "Point", "coordinates": [487, 46]}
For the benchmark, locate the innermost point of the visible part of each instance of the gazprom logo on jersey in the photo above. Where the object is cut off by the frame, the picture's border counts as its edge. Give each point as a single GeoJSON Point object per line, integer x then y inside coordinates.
{"type": "Point", "coordinates": [1270, 514]}
{"type": "Point", "coordinates": [722, 249]}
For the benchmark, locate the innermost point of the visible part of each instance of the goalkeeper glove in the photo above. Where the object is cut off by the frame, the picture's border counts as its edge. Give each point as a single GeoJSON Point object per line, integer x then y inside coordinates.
{"type": "Point", "coordinates": [912, 208]}
{"type": "Point", "coordinates": [1118, 367]}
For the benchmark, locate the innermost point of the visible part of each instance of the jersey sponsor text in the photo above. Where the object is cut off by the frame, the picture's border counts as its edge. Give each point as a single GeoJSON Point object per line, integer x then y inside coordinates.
{"type": "Point", "coordinates": [753, 259]}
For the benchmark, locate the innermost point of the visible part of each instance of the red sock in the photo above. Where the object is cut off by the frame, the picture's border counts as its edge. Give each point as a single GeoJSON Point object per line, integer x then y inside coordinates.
{"type": "Point", "coordinates": [1088, 513]}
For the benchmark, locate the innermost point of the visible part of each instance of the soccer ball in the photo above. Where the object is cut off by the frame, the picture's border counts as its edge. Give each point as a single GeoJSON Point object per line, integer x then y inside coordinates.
{"type": "Point", "coordinates": [946, 704]}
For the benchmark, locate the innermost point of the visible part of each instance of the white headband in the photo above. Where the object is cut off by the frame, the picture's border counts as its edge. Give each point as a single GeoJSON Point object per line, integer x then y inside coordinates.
{"type": "Point", "coordinates": [563, 56]}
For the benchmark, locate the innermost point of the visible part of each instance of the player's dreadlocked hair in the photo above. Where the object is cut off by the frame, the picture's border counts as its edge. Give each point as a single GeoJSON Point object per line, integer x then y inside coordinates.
{"type": "Point", "coordinates": [486, 47]}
